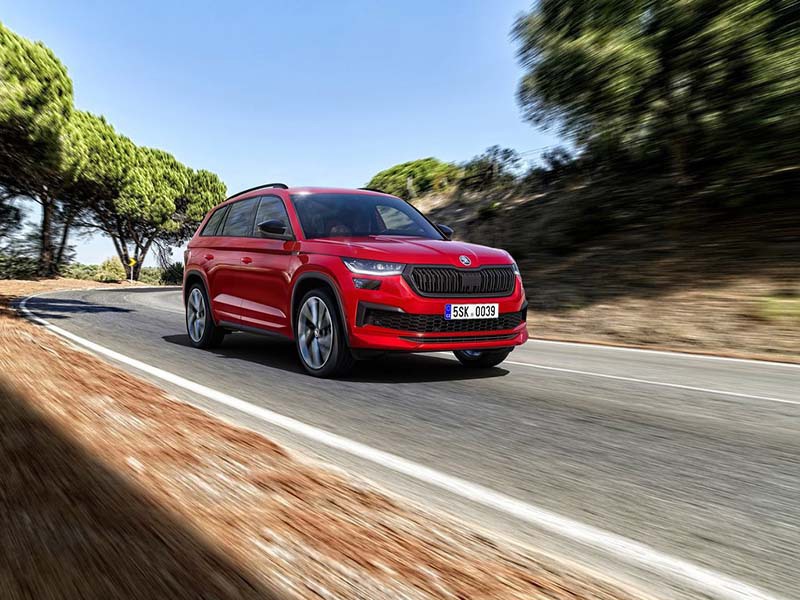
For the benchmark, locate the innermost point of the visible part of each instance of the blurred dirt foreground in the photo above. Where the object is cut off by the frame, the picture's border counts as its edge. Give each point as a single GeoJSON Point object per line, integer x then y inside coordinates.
{"type": "Point", "coordinates": [113, 489]}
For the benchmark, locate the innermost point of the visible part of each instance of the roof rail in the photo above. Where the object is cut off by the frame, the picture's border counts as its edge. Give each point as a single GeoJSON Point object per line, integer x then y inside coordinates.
{"type": "Point", "coordinates": [368, 189]}
{"type": "Point", "coordinates": [281, 186]}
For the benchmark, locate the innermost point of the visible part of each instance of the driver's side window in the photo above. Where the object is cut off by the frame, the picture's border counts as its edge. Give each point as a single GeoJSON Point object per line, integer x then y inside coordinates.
{"type": "Point", "coordinates": [271, 208]}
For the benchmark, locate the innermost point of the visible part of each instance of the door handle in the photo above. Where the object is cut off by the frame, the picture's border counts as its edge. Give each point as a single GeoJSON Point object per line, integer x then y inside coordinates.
{"type": "Point", "coordinates": [247, 260]}
{"type": "Point", "coordinates": [208, 256]}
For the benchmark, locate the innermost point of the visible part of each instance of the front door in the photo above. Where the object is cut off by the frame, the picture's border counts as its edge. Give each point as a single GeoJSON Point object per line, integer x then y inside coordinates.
{"type": "Point", "coordinates": [265, 297]}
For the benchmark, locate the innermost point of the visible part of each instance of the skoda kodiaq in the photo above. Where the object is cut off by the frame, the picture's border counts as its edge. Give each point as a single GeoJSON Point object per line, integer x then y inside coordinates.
{"type": "Point", "coordinates": [348, 274]}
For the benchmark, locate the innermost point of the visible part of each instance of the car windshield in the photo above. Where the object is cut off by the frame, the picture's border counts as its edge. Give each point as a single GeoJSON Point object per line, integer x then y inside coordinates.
{"type": "Point", "coordinates": [360, 215]}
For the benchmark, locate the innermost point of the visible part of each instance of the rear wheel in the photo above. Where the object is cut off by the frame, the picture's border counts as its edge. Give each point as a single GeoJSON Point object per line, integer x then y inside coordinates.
{"type": "Point", "coordinates": [320, 336]}
{"type": "Point", "coordinates": [203, 332]}
{"type": "Point", "coordinates": [482, 359]}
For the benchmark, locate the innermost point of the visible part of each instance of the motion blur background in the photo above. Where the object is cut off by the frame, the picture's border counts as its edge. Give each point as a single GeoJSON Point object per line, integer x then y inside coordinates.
{"type": "Point", "coordinates": [639, 159]}
{"type": "Point", "coordinates": [651, 199]}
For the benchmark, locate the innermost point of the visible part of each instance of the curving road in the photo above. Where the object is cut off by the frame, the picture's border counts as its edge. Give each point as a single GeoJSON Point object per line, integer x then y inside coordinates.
{"type": "Point", "coordinates": [692, 458]}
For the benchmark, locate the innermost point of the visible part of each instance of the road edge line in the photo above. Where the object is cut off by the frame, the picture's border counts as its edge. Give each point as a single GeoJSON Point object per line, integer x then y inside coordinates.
{"type": "Point", "coordinates": [671, 353]}
{"type": "Point", "coordinates": [650, 382]}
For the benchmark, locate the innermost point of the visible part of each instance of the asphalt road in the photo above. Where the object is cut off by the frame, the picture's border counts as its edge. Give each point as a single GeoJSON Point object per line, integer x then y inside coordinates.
{"type": "Point", "coordinates": [697, 458]}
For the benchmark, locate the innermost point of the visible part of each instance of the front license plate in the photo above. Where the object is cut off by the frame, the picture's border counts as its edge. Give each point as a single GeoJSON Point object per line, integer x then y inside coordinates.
{"type": "Point", "coordinates": [470, 311]}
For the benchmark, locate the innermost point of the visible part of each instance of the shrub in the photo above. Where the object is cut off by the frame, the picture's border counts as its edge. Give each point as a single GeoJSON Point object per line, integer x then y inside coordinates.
{"type": "Point", "coordinates": [111, 271]}
{"type": "Point", "coordinates": [17, 266]}
{"type": "Point", "coordinates": [150, 275]}
{"type": "Point", "coordinates": [173, 274]}
{"type": "Point", "coordinates": [79, 271]}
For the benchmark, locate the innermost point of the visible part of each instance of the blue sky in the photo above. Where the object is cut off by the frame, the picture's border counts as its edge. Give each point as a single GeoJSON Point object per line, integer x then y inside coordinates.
{"type": "Point", "coordinates": [305, 92]}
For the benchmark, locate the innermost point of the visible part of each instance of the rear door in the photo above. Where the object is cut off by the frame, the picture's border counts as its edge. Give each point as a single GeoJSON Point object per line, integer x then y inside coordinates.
{"type": "Point", "coordinates": [209, 249]}
{"type": "Point", "coordinates": [265, 295]}
{"type": "Point", "coordinates": [230, 281]}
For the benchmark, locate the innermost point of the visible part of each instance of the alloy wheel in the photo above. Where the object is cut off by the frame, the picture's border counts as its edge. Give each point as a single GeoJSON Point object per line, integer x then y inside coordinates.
{"type": "Point", "coordinates": [315, 332]}
{"type": "Point", "coordinates": [196, 315]}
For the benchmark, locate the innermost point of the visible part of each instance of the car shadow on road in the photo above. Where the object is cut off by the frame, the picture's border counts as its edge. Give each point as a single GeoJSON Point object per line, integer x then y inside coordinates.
{"type": "Point", "coordinates": [75, 528]}
{"type": "Point", "coordinates": [61, 308]}
{"type": "Point", "coordinates": [390, 368]}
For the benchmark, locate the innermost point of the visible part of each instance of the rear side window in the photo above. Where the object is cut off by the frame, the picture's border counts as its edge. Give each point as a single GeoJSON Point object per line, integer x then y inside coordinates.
{"type": "Point", "coordinates": [213, 224]}
{"type": "Point", "coordinates": [241, 218]}
{"type": "Point", "coordinates": [272, 208]}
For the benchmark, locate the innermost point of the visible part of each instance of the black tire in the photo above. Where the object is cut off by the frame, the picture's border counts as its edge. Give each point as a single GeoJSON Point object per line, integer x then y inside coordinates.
{"type": "Point", "coordinates": [340, 360]}
{"type": "Point", "coordinates": [482, 359]}
{"type": "Point", "coordinates": [211, 335]}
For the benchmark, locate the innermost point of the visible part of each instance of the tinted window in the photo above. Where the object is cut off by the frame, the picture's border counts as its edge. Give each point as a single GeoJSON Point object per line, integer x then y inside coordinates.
{"type": "Point", "coordinates": [213, 223]}
{"type": "Point", "coordinates": [394, 219]}
{"type": "Point", "coordinates": [272, 208]}
{"type": "Point", "coordinates": [241, 216]}
{"type": "Point", "coordinates": [359, 215]}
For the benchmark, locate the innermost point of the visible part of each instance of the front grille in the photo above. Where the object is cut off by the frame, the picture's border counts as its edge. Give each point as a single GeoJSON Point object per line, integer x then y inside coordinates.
{"type": "Point", "coordinates": [436, 281]}
{"type": "Point", "coordinates": [438, 324]}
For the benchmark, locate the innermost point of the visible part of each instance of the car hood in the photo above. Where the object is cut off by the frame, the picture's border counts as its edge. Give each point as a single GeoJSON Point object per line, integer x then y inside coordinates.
{"type": "Point", "coordinates": [416, 251]}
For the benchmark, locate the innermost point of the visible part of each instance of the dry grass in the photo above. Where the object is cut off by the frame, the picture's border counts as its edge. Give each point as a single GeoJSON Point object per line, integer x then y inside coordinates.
{"type": "Point", "coordinates": [739, 318]}
{"type": "Point", "coordinates": [780, 309]}
{"type": "Point", "coordinates": [112, 489]}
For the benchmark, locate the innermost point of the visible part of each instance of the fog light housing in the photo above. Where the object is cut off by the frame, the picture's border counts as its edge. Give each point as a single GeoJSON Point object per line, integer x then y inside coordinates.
{"type": "Point", "coordinates": [363, 283]}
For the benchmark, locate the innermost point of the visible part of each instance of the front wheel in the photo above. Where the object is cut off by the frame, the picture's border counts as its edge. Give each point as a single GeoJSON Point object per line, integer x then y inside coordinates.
{"type": "Point", "coordinates": [320, 336]}
{"type": "Point", "coordinates": [482, 359]}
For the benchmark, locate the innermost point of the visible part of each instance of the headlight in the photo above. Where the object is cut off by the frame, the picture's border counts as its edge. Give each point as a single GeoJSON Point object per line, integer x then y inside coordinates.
{"type": "Point", "coordinates": [373, 267]}
{"type": "Point", "coordinates": [516, 269]}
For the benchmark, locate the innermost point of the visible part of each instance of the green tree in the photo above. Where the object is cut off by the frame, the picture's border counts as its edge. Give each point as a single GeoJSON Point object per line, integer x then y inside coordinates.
{"type": "Point", "coordinates": [711, 86]}
{"type": "Point", "coordinates": [410, 179]}
{"type": "Point", "coordinates": [161, 201]}
{"type": "Point", "coordinates": [494, 168]}
{"type": "Point", "coordinates": [35, 105]}
{"type": "Point", "coordinates": [95, 167]}
{"type": "Point", "coordinates": [205, 190]}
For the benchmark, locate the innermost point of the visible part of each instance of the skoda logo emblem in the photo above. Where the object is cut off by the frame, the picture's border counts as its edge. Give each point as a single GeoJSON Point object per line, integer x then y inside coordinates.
{"type": "Point", "coordinates": [465, 260]}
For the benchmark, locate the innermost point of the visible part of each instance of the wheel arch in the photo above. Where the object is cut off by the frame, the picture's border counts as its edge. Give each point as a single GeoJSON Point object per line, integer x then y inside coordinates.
{"type": "Point", "coordinates": [312, 280]}
{"type": "Point", "coordinates": [191, 277]}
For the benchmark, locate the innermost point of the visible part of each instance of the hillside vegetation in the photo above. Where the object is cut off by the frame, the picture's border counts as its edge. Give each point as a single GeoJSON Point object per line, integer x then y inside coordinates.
{"type": "Point", "coordinates": [670, 217]}
{"type": "Point", "coordinates": [725, 282]}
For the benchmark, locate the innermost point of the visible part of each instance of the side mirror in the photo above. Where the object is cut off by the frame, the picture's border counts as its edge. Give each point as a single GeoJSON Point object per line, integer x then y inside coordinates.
{"type": "Point", "coordinates": [446, 231]}
{"type": "Point", "coordinates": [272, 228]}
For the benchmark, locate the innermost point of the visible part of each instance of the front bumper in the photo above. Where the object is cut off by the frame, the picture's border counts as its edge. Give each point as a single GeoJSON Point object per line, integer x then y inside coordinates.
{"type": "Point", "coordinates": [395, 318]}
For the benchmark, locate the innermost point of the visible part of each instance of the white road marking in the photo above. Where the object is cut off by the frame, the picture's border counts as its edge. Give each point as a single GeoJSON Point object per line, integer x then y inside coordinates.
{"type": "Point", "coordinates": [619, 377]}
{"type": "Point", "coordinates": [669, 353]}
{"type": "Point", "coordinates": [649, 382]}
{"type": "Point", "coordinates": [534, 341]}
{"type": "Point", "coordinates": [719, 585]}
{"type": "Point", "coordinates": [644, 381]}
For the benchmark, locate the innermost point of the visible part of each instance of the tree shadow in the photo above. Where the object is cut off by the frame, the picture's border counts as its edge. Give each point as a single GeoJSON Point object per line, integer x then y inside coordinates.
{"type": "Point", "coordinates": [62, 308]}
{"type": "Point", "coordinates": [390, 368]}
{"type": "Point", "coordinates": [73, 528]}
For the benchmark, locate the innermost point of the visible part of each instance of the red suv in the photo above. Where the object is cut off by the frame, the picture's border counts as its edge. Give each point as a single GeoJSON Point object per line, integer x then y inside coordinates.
{"type": "Point", "coordinates": [348, 274]}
